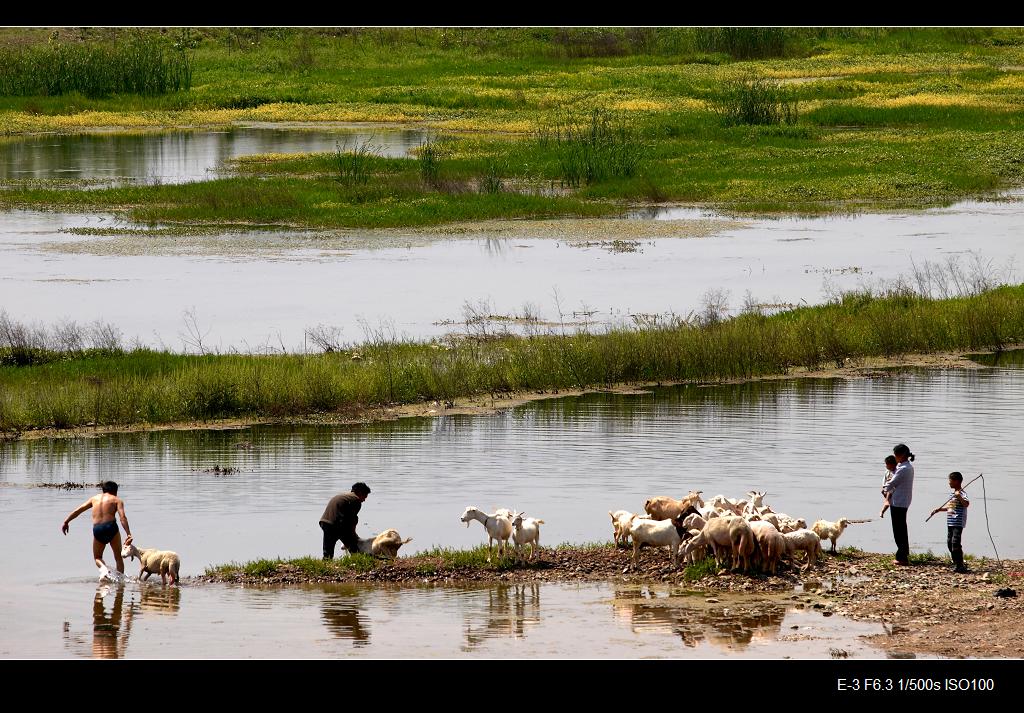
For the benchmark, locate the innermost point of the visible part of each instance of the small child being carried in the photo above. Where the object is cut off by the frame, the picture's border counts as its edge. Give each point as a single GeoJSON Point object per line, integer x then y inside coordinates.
{"type": "Point", "coordinates": [890, 470]}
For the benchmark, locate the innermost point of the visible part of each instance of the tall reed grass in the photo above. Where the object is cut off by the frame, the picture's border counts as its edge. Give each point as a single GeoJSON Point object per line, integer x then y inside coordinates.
{"type": "Point", "coordinates": [755, 100]}
{"type": "Point", "coordinates": [141, 385]}
{"type": "Point", "coordinates": [749, 42]}
{"type": "Point", "coordinates": [429, 162]}
{"type": "Point", "coordinates": [354, 164]}
{"type": "Point", "coordinates": [594, 147]}
{"type": "Point", "coordinates": [142, 64]}
{"type": "Point", "coordinates": [24, 344]}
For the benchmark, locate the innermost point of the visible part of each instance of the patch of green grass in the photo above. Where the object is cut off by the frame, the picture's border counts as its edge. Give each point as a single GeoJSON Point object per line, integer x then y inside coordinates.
{"type": "Point", "coordinates": [595, 148]}
{"type": "Point", "coordinates": [261, 568]}
{"type": "Point", "coordinates": [755, 100]}
{"type": "Point", "coordinates": [849, 553]}
{"type": "Point", "coordinates": [701, 569]}
{"type": "Point", "coordinates": [222, 570]}
{"type": "Point", "coordinates": [266, 203]}
{"type": "Point", "coordinates": [317, 566]}
{"type": "Point", "coordinates": [313, 567]}
{"type": "Point", "coordinates": [359, 562]}
{"type": "Point", "coordinates": [475, 558]}
{"type": "Point", "coordinates": [586, 546]}
{"type": "Point", "coordinates": [928, 557]}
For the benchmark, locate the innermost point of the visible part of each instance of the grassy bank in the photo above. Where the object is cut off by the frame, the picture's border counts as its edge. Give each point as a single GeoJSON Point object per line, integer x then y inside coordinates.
{"type": "Point", "coordinates": [42, 388]}
{"type": "Point", "coordinates": [392, 201]}
{"type": "Point", "coordinates": [856, 119]}
{"type": "Point", "coordinates": [594, 560]}
{"type": "Point", "coordinates": [427, 562]}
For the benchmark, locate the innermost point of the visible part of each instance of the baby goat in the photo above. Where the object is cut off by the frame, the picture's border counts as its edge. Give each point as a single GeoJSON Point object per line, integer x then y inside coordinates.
{"type": "Point", "coordinates": [526, 531]}
{"type": "Point", "coordinates": [830, 530]}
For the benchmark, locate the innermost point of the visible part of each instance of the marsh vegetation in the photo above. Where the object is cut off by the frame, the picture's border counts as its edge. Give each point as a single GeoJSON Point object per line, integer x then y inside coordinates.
{"type": "Point", "coordinates": [99, 383]}
{"type": "Point", "coordinates": [747, 119]}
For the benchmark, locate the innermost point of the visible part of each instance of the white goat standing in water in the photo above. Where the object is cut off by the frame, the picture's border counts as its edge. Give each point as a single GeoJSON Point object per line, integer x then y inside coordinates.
{"type": "Point", "coordinates": [498, 526]}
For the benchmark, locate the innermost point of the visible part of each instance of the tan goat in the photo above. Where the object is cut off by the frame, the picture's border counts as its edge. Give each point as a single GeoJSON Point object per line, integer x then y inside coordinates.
{"type": "Point", "coordinates": [663, 507]}
{"type": "Point", "coordinates": [385, 544]}
{"type": "Point", "coordinates": [153, 561]}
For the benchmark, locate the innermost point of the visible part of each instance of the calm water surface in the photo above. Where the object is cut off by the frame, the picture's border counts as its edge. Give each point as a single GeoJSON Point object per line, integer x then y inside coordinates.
{"type": "Point", "coordinates": [423, 290]}
{"type": "Point", "coordinates": [816, 446]}
{"type": "Point", "coordinates": [502, 621]}
{"type": "Point", "coordinates": [179, 156]}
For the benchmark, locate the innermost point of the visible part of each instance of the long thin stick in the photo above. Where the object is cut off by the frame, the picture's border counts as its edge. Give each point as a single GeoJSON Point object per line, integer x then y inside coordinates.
{"type": "Point", "coordinates": [951, 497]}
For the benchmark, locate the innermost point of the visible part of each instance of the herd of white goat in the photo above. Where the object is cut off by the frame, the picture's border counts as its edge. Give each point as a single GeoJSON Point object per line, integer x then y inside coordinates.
{"type": "Point", "coordinates": [740, 534]}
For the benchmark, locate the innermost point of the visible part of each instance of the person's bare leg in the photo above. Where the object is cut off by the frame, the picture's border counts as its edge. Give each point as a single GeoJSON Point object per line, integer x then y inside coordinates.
{"type": "Point", "coordinates": [97, 553]}
{"type": "Point", "coordinates": [115, 545]}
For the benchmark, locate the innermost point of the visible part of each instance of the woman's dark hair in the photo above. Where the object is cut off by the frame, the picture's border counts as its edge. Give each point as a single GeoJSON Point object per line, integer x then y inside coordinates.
{"type": "Point", "coordinates": [109, 486]}
{"type": "Point", "coordinates": [957, 476]}
{"type": "Point", "coordinates": [902, 450]}
{"type": "Point", "coordinates": [361, 489]}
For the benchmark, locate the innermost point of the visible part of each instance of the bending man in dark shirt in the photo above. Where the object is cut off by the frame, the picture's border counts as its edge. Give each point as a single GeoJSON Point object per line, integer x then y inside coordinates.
{"type": "Point", "coordinates": [340, 517]}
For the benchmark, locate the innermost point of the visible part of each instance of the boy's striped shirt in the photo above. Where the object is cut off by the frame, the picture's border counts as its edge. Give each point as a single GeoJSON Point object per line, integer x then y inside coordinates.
{"type": "Point", "coordinates": [956, 514]}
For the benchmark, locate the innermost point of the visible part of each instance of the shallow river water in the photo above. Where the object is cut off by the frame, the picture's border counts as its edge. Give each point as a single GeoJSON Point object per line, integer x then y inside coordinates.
{"type": "Point", "coordinates": [546, 620]}
{"type": "Point", "coordinates": [816, 446]}
{"type": "Point", "coordinates": [251, 291]}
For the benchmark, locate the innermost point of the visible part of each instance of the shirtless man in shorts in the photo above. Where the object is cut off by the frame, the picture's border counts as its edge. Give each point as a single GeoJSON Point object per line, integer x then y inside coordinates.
{"type": "Point", "coordinates": [104, 527]}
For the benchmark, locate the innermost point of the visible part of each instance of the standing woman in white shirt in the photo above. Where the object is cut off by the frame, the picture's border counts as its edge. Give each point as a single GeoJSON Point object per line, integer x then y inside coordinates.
{"type": "Point", "coordinates": [900, 490]}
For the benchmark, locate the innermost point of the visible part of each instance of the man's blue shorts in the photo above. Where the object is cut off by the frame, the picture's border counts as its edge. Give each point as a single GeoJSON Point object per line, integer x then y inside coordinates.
{"type": "Point", "coordinates": [105, 532]}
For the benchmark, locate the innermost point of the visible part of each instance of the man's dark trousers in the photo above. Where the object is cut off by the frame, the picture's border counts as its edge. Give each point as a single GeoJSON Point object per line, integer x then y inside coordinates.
{"type": "Point", "coordinates": [333, 533]}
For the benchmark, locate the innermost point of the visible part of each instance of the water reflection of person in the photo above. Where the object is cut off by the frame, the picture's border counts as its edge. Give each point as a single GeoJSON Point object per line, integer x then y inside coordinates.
{"type": "Point", "coordinates": [342, 617]}
{"type": "Point", "coordinates": [109, 633]}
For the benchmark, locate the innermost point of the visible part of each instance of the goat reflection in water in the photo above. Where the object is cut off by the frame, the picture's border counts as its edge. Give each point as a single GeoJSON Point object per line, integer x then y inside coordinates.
{"type": "Point", "coordinates": [509, 608]}
{"type": "Point", "coordinates": [645, 611]}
